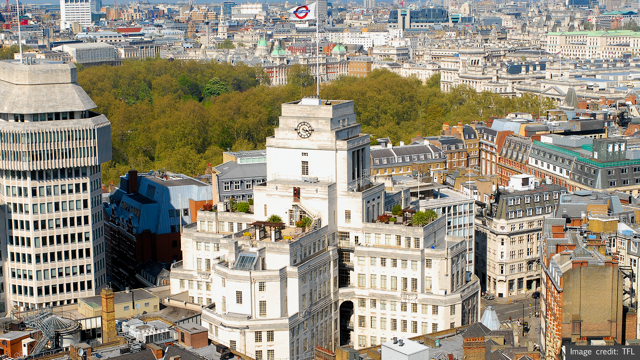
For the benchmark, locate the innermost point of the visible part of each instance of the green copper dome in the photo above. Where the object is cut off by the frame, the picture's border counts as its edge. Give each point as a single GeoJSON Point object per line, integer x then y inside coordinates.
{"type": "Point", "coordinates": [278, 51]}
{"type": "Point", "coordinates": [262, 42]}
{"type": "Point", "coordinates": [339, 49]}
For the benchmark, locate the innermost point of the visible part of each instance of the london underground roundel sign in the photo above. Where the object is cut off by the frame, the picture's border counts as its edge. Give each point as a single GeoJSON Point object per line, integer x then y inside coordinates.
{"type": "Point", "coordinates": [301, 12]}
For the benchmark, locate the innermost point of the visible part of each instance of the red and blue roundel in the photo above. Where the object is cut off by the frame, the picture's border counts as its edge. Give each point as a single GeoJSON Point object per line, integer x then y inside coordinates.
{"type": "Point", "coordinates": [301, 12]}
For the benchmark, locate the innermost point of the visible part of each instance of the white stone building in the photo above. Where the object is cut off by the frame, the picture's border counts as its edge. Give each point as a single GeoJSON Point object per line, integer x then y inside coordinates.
{"type": "Point", "coordinates": [273, 291]}
{"type": "Point", "coordinates": [51, 149]}
{"type": "Point", "coordinates": [75, 11]}
{"type": "Point", "coordinates": [509, 233]}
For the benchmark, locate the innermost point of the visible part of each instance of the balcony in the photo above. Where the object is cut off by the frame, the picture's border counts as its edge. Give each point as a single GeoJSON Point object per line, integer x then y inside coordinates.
{"type": "Point", "coordinates": [360, 185]}
{"type": "Point", "coordinates": [343, 244]}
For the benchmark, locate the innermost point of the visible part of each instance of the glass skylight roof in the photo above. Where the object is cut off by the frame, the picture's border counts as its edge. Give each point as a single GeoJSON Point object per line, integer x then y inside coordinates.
{"type": "Point", "coordinates": [245, 261]}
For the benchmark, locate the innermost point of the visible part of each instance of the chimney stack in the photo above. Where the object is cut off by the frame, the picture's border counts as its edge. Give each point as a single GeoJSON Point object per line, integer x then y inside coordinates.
{"type": "Point", "coordinates": [133, 182]}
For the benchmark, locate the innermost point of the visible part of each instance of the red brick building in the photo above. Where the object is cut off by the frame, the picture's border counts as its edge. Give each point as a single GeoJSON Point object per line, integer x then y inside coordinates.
{"type": "Point", "coordinates": [581, 293]}
{"type": "Point", "coordinates": [192, 335]}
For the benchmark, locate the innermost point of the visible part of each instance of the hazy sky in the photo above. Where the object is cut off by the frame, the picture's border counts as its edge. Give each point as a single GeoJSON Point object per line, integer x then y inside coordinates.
{"type": "Point", "coordinates": [110, 2]}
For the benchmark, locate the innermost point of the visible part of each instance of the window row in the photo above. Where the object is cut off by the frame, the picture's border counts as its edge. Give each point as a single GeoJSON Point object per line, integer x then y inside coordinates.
{"type": "Point", "coordinates": [238, 185]}
{"type": "Point", "coordinates": [50, 257]}
{"type": "Point", "coordinates": [53, 289]}
{"type": "Point", "coordinates": [393, 324]}
{"type": "Point", "coordinates": [404, 282]}
{"type": "Point", "coordinates": [50, 223]}
{"type": "Point", "coordinates": [388, 239]}
{"type": "Point", "coordinates": [207, 246]}
{"type": "Point", "coordinates": [44, 137]}
{"type": "Point", "coordinates": [53, 116]}
{"type": "Point", "coordinates": [48, 208]}
{"type": "Point", "coordinates": [529, 211]}
{"type": "Point", "coordinates": [54, 174]}
{"type": "Point", "coordinates": [47, 155]}
{"type": "Point", "coordinates": [373, 261]}
{"type": "Point", "coordinates": [48, 241]}
{"type": "Point", "coordinates": [527, 198]}
{"type": "Point", "coordinates": [48, 274]}
{"type": "Point", "coordinates": [42, 191]}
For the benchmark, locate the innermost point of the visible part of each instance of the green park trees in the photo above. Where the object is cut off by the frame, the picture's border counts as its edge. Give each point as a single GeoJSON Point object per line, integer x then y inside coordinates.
{"type": "Point", "coordinates": [181, 115]}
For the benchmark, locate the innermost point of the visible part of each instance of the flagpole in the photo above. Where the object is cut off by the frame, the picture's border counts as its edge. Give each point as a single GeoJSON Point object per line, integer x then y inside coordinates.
{"type": "Point", "coordinates": [19, 32]}
{"type": "Point", "coordinates": [317, 59]}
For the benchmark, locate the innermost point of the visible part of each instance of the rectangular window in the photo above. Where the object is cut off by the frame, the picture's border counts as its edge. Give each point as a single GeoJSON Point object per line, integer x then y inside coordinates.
{"type": "Point", "coordinates": [305, 168]}
{"type": "Point", "coordinates": [263, 308]}
{"type": "Point", "coordinates": [239, 297]}
{"type": "Point", "coordinates": [347, 216]}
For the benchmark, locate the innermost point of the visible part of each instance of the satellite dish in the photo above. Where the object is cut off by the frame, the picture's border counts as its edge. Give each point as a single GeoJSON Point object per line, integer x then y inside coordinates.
{"type": "Point", "coordinates": [81, 352]}
{"type": "Point", "coordinates": [138, 306]}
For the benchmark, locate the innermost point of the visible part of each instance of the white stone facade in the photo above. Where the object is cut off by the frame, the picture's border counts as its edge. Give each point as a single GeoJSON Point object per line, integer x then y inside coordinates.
{"type": "Point", "coordinates": [300, 288]}
{"type": "Point", "coordinates": [51, 149]}
{"type": "Point", "coordinates": [75, 11]}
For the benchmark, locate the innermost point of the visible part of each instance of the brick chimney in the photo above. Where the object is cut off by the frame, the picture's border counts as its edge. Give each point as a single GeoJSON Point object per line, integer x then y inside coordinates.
{"type": "Point", "coordinates": [474, 348]}
{"type": "Point", "coordinates": [133, 182]}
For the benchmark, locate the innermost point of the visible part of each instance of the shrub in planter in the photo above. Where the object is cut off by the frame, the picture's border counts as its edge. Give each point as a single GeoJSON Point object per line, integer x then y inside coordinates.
{"type": "Point", "coordinates": [243, 207]}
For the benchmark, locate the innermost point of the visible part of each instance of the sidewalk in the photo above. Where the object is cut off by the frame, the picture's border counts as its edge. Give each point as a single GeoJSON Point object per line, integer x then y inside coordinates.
{"type": "Point", "coordinates": [514, 299]}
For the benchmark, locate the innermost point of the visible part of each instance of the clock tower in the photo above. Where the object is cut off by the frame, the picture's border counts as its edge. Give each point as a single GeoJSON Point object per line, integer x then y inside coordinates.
{"type": "Point", "coordinates": [317, 162]}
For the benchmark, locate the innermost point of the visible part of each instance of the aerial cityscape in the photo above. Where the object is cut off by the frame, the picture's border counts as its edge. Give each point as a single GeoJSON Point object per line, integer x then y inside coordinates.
{"type": "Point", "coordinates": [376, 180]}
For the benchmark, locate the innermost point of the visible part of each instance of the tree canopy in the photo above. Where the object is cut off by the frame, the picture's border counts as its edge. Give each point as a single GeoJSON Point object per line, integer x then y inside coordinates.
{"type": "Point", "coordinates": [7, 52]}
{"type": "Point", "coordinates": [181, 115]}
{"type": "Point", "coordinates": [227, 44]}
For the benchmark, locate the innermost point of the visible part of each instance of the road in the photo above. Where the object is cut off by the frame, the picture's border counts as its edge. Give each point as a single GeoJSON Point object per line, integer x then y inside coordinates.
{"type": "Point", "coordinates": [513, 309]}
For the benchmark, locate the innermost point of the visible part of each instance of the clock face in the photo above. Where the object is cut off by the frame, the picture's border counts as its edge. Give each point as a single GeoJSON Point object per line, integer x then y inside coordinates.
{"type": "Point", "coordinates": [304, 129]}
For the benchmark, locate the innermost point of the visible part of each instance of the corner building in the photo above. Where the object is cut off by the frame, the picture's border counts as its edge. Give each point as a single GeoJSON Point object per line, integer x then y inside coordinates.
{"type": "Point", "coordinates": [51, 149]}
{"type": "Point", "coordinates": [273, 291]}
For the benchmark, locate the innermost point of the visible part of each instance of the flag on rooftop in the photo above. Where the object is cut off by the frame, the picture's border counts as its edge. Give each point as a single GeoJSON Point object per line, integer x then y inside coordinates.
{"type": "Point", "coordinates": [304, 12]}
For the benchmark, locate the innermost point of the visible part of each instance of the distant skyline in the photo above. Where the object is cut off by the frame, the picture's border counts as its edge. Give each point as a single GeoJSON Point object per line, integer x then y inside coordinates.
{"type": "Point", "coordinates": [110, 2]}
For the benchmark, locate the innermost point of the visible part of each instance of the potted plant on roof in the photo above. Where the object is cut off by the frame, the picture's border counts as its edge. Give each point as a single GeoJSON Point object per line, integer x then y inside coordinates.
{"type": "Point", "coordinates": [384, 219]}
{"type": "Point", "coordinates": [304, 223]}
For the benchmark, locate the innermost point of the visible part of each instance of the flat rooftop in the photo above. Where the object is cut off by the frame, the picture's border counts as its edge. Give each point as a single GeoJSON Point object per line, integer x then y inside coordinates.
{"type": "Point", "coordinates": [123, 297]}
{"type": "Point", "coordinates": [173, 180]}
